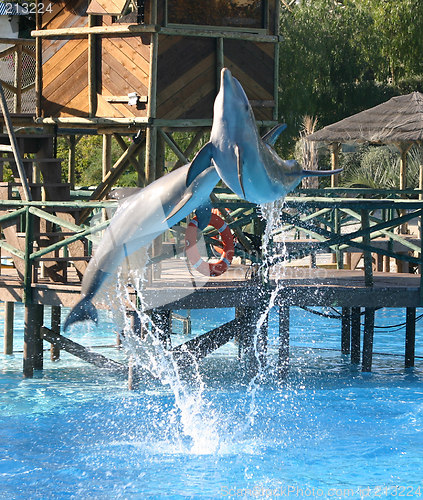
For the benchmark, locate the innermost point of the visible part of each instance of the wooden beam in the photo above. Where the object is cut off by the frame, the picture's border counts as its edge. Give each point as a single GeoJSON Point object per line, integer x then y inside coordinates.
{"type": "Point", "coordinates": [190, 149]}
{"type": "Point", "coordinates": [82, 352]}
{"type": "Point", "coordinates": [95, 30]}
{"type": "Point", "coordinates": [92, 73]}
{"type": "Point", "coordinates": [55, 329]}
{"type": "Point", "coordinates": [33, 344]}
{"type": "Point", "coordinates": [369, 326]}
{"type": "Point", "coordinates": [18, 80]}
{"type": "Point", "coordinates": [199, 347]}
{"type": "Point", "coordinates": [72, 160]}
{"type": "Point", "coordinates": [106, 185]}
{"type": "Point", "coordinates": [173, 146]}
{"type": "Point", "coordinates": [133, 159]}
{"type": "Point", "coordinates": [232, 35]}
{"type": "Point", "coordinates": [9, 313]}
{"type": "Point", "coordinates": [410, 337]}
{"type": "Point", "coordinates": [107, 154]}
{"type": "Point", "coordinates": [346, 331]}
{"type": "Point", "coordinates": [334, 161]}
{"type": "Point", "coordinates": [368, 264]}
{"type": "Point", "coordinates": [283, 354]}
{"type": "Point", "coordinates": [355, 335]}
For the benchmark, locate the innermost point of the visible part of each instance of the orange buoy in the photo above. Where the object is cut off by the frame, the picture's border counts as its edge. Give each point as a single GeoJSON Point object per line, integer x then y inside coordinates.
{"type": "Point", "coordinates": [227, 252]}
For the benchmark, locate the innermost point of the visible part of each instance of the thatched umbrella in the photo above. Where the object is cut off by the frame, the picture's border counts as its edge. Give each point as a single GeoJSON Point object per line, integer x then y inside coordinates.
{"type": "Point", "coordinates": [398, 121]}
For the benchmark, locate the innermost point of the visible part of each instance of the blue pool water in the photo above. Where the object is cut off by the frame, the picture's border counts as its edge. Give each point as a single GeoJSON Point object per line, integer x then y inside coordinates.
{"type": "Point", "coordinates": [328, 431]}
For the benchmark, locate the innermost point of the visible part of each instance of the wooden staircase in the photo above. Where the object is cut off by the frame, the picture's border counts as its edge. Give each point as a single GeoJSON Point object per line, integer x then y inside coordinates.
{"type": "Point", "coordinates": [36, 175]}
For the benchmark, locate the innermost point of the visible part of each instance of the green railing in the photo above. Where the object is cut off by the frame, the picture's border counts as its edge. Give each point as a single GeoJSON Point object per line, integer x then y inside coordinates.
{"type": "Point", "coordinates": [338, 225]}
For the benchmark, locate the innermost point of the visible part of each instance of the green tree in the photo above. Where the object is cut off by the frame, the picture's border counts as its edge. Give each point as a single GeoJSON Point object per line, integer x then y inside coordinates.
{"type": "Point", "coordinates": [327, 56]}
{"type": "Point", "coordinates": [399, 25]}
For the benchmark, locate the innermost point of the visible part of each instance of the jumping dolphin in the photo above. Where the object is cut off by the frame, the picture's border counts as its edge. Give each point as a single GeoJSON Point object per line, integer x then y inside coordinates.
{"type": "Point", "coordinates": [247, 164]}
{"type": "Point", "coordinates": [139, 219]}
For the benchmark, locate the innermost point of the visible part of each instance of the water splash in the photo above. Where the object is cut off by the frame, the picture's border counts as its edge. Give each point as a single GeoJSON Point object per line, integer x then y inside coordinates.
{"type": "Point", "coordinates": [193, 421]}
{"type": "Point", "coordinates": [272, 267]}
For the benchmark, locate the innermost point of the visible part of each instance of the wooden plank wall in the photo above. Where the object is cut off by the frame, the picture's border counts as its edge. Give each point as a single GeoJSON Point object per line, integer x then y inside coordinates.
{"type": "Point", "coordinates": [187, 75]}
{"type": "Point", "coordinates": [65, 62]}
{"type": "Point", "coordinates": [124, 68]}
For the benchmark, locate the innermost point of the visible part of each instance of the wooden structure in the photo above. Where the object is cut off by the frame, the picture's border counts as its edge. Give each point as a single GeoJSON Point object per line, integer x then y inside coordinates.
{"type": "Point", "coordinates": [155, 69]}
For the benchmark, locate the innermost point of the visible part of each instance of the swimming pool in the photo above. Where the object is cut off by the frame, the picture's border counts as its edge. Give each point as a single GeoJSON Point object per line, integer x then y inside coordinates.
{"type": "Point", "coordinates": [327, 431]}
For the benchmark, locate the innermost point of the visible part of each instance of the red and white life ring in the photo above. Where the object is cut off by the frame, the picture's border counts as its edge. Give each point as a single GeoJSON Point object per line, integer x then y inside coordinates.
{"type": "Point", "coordinates": [227, 252]}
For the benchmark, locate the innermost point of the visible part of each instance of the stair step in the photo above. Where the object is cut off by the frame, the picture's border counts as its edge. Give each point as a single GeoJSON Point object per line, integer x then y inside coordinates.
{"type": "Point", "coordinates": [5, 148]}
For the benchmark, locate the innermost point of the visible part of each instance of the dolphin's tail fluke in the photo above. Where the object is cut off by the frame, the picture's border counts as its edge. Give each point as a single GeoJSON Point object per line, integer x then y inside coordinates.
{"type": "Point", "coordinates": [321, 173]}
{"type": "Point", "coordinates": [82, 311]}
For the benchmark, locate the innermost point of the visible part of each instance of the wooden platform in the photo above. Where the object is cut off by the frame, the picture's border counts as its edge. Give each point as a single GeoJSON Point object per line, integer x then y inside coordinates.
{"type": "Point", "coordinates": [297, 287]}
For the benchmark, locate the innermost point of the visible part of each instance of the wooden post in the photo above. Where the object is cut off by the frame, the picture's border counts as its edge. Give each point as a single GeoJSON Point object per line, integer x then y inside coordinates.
{"type": "Point", "coordinates": [29, 245]}
{"type": "Point", "coordinates": [9, 309]}
{"type": "Point", "coordinates": [368, 265]}
{"type": "Point", "coordinates": [334, 160]}
{"type": "Point", "coordinates": [72, 161]}
{"type": "Point", "coordinates": [33, 343]}
{"type": "Point", "coordinates": [283, 354]}
{"type": "Point", "coordinates": [276, 75]}
{"type": "Point", "coordinates": [249, 330]}
{"type": "Point", "coordinates": [133, 375]}
{"type": "Point", "coordinates": [18, 79]}
{"type": "Point", "coordinates": [239, 312]}
{"type": "Point", "coordinates": [161, 321]}
{"type": "Point", "coordinates": [346, 331]}
{"type": "Point", "coordinates": [403, 166]}
{"type": "Point", "coordinates": [92, 73]}
{"type": "Point", "coordinates": [38, 64]}
{"type": "Point", "coordinates": [369, 326]}
{"type": "Point", "coordinates": [355, 335]}
{"type": "Point", "coordinates": [410, 337]}
{"type": "Point", "coordinates": [107, 154]}
{"type": "Point", "coordinates": [55, 328]}
{"type": "Point", "coordinates": [220, 60]}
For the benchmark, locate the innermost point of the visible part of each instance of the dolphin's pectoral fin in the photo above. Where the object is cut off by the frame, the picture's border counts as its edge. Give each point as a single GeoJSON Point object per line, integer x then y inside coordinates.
{"type": "Point", "coordinates": [203, 214]}
{"type": "Point", "coordinates": [320, 173]}
{"type": "Point", "coordinates": [273, 134]}
{"type": "Point", "coordinates": [239, 168]}
{"type": "Point", "coordinates": [201, 162]}
{"type": "Point", "coordinates": [187, 196]}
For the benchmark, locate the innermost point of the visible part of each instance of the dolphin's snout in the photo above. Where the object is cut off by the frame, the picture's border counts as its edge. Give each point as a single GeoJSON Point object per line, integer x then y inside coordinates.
{"type": "Point", "coordinates": [225, 78]}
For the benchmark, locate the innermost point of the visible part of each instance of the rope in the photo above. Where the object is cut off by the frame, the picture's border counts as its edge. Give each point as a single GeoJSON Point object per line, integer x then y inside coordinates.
{"type": "Point", "coordinates": [397, 327]}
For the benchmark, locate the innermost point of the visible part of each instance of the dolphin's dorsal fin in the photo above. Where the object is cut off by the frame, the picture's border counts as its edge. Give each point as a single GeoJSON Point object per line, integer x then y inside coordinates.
{"type": "Point", "coordinates": [201, 161]}
{"type": "Point", "coordinates": [271, 137]}
{"type": "Point", "coordinates": [187, 196]}
{"type": "Point", "coordinates": [239, 168]}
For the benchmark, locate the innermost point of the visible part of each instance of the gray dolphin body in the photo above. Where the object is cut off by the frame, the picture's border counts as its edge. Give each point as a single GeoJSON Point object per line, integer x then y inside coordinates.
{"type": "Point", "coordinates": [247, 164]}
{"type": "Point", "coordinates": [139, 219]}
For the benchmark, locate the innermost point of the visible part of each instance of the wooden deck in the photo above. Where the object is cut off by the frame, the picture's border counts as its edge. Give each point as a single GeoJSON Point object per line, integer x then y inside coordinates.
{"type": "Point", "coordinates": [177, 289]}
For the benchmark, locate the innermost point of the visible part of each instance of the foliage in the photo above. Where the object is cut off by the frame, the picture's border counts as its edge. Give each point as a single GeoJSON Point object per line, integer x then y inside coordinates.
{"type": "Point", "coordinates": [88, 162]}
{"type": "Point", "coordinates": [399, 24]}
{"type": "Point", "coordinates": [378, 167]}
{"type": "Point", "coordinates": [339, 57]}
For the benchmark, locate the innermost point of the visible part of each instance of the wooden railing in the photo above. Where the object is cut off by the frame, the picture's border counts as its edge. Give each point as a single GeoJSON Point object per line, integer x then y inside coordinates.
{"type": "Point", "coordinates": [17, 74]}
{"type": "Point", "coordinates": [341, 226]}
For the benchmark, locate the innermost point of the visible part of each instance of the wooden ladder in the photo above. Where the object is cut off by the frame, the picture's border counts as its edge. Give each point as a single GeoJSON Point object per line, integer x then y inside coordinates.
{"type": "Point", "coordinates": [13, 147]}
